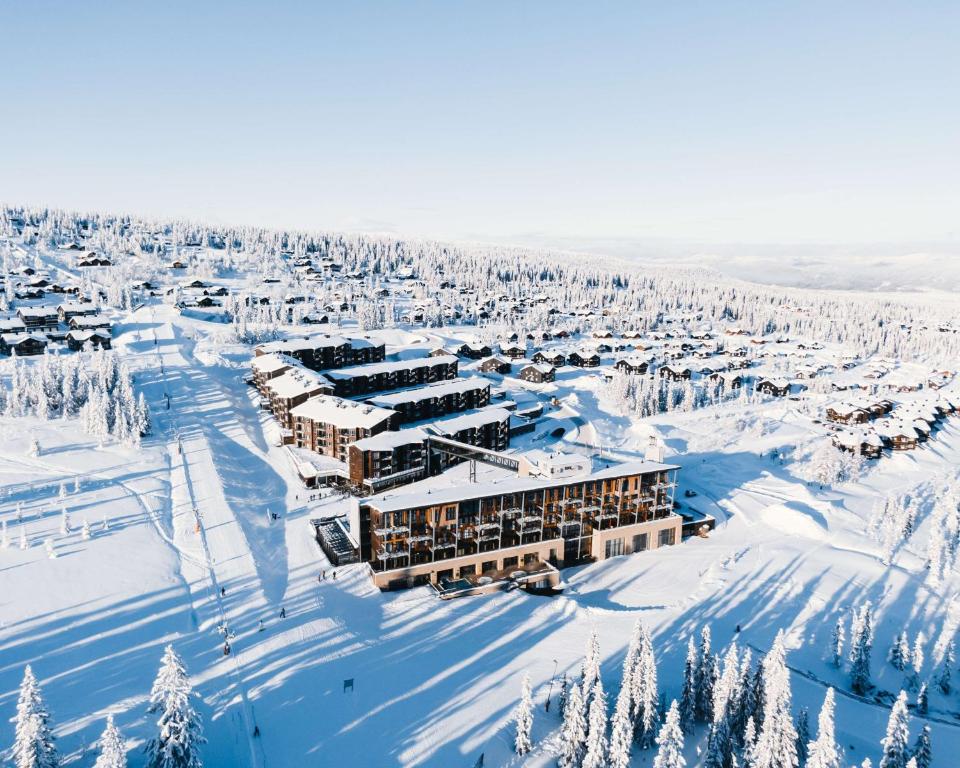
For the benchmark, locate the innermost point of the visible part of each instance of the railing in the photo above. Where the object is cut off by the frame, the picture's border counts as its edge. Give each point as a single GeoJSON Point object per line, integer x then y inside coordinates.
{"type": "Point", "coordinates": [397, 530]}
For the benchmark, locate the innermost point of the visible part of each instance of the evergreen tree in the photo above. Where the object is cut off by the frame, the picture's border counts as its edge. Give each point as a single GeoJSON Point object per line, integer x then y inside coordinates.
{"type": "Point", "coordinates": [180, 730]}
{"type": "Point", "coordinates": [758, 695]}
{"type": "Point", "coordinates": [917, 659]}
{"type": "Point", "coordinates": [946, 667]}
{"type": "Point", "coordinates": [777, 743]}
{"type": "Point", "coordinates": [621, 729]}
{"type": "Point", "coordinates": [923, 702]}
{"type": "Point", "coordinates": [836, 642]}
{"type": "Point", "coordinates": [748, 754]}
{"type": "Point", "coordinates": [590, 671]}
{"type": "Point", "coordinates": [743, 707]}
{"type": "Point", "coordinates": [523, 717]}
{"type": "Point", "coordinates": [573, 734]}
{"type": "Point", "coordinates": [645, 695]}
{"type": "Point", "coordinates": [688, 699]}
{"type": "Point", "coordinates": [861, 643]}
{"type": "Point", "coordinates": [899, 654]}
{"type": "Point", "coordinates": [596, 754]}
{"type": "Point", "coordinates": [803, 737]}
{"type": "Point", "coordinates": [921, 748]}
{"type": "Point", "coordinates": [113, 749]}
{"type": "Point", "coordinates": [33, 745]}
{"type": "Point", "coordinates": [670, 741]}
{"type": "Point", "coordinates": [704, 678]}
{"type": "Point", "coordinates": [719, 745]}
{"type": "Point", "coordinates": [898, 733]}
{"type": "Point", "coordinates": [824, 753]}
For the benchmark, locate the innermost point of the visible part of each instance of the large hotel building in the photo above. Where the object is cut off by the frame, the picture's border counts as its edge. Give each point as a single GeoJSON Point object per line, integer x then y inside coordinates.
{"type": "Point", "coordinates": [553, 512]}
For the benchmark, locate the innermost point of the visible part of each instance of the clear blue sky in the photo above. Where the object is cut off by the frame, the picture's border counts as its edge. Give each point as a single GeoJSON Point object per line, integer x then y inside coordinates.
{"type": "Point", "coordinates": [524, 121]}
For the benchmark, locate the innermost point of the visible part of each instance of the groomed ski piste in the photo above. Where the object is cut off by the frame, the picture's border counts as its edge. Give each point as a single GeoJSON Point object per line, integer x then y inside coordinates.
{"type": "Point", "coordinates": [184, 548]}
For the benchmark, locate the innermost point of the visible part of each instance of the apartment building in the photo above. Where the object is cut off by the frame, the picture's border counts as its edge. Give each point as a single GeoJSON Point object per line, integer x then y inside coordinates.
{"type": "Point", "coordinates": [324, 352]}
{"type": "Point", "coordinates": [382, 377]}
{"type": "Point", "coordinates": [293, 387]}
{"type": "Point", "coordinates": [557, 516]}
{"type": "Point", "coordinates": [436, 400]}
{"type": "Point", "coordinates": [329, 425]}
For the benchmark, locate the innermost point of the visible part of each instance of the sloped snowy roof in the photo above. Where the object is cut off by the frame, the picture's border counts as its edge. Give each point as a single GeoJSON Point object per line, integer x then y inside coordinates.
{"type": "Point", "coordinates": [373, 369]}
{"type": "Point", "coordinates": [345, 414]}
{"type": "Point", "coordinates": [439, 389]}
{"type": "Point", "coordinates": [510, 483]}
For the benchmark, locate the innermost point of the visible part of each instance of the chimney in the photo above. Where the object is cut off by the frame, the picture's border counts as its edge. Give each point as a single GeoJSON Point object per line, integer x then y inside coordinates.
{"type": "Point", "coordinates": [654, 450]}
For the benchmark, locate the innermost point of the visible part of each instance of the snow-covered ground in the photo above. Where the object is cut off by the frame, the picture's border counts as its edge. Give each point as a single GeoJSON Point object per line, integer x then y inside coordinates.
{"type": "Point", "coordinates": [434, 682]}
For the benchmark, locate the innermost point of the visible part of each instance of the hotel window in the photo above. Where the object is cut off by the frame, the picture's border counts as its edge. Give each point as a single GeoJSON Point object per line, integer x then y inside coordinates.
{"type": "Point", "coordinates": [667, 537]}
{"type": "Point", "coordinates": [640, 542]}
{"type": "Point", "coordinates": [613, 547]}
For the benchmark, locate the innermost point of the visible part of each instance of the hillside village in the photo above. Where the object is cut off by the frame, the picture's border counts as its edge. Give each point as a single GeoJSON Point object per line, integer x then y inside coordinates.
{"type": "Point", "coordinates": [467, 440]}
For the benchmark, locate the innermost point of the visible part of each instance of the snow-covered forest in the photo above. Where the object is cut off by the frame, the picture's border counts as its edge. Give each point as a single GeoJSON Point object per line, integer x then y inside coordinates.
{"type": "Point", "coordinates": [153, 509]}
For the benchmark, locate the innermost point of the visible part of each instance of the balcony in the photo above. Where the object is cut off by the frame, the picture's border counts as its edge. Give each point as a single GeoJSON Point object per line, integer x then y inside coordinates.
{"type": "Point", "coordinates": [392, 532]}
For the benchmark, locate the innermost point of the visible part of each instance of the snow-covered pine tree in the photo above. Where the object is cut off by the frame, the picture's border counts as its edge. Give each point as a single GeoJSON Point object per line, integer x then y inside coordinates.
{"type": "Point", "coordinates": [921, 748]}
{"type": "Point", "coordinates": [719, 745]}
{"type": "Point", "coordinates": [113, 749]}
{"type": "Point", "coordinates": [743, 707]}
{"type": "Point", "coordinates": [670, 741]}
{"type": "Point", "coordinates": [923, 701]}
{"type": "Point", "coordinates": [573, 734]}
{"type": "Point", "coordinates": [861, 644]}
{"type": "Point", "coordinates": [757, 695]}
{"type": "Point", "coordinates": [899, 654]}
{"type": "Point", "coordinates": [777, 743]}
{"type": "Point", "coordinates": [748, 753]}
{"type": "Point", "coordinates": [85, 530]}
{"type": "Point", "coordinates": [895, 742]}
{"type": "Point", "coordinates": [180, 731]}
{"type": "Point", "coordinates": [704, 678]}
{"type": "Point", "coordinates": [596, 751]}
{"type": "Point", "coordinates": [64, 522]}
{"type": "Point", "coordinates": [590, 670]}
{"type": "Point", "coordinates": [946, 669]}
{"type": "Point", "coordinates": [916, 659]}
{"type": "Point", "coordinates": [688, 698]}
{"type": "Point", "coordinates": [836, 642]}
{"type": "Point", "coordinates": [803, 736]}
{"type": "Point", "coordinates": [645, 693]}
{"type": "Point", "coordinates": [824, 753]}
{"type": "Point", "coordinates": [621, 727]}
{"type": "Point", "coordinates": [4, 537]}
{"type": "Point", "coordinates": [523, 718]}
{"type": "Point", "coordinates": [33, 745]}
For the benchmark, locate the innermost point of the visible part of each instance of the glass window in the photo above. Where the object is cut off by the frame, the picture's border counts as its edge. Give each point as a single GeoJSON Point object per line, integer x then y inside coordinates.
{"type": "Point", "coordinates": [640, 542]}
{"type": "Point", "coordinates": [667, 537]}
{"type": "Point", "coordinates": [613, 547]}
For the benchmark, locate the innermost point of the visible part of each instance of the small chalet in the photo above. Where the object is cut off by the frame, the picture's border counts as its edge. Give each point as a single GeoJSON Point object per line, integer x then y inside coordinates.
{"type": "Point", "coordinates": [496, 365]}
{"type": "Point", "coordinates": [38, 318]}
{"type": "Point", "coordinates": [632, 364]}
{"type": "Point", "coordinates": [67, 312]}
{"type": "Point", "coordinates": [513, 351]}
{"type": "Point", "coordinates": [867, 444]}
{"type": "Point", "coordinates": [675, 372]}
{"type": "Point", "coordinates": [474, 350]}
{"type": "Point", "coordinates": [728, 379]}
{"type": "Point", "coordinates": [550, 358]}
{"type": "Point", "coordinates": [77, 340]}
{"type": "Point", "coordinates": [538, 373]}
{"type": "Point", "coordinates": [23, 344]}
{"type": "Point", "coordinates": [583, 359]}
{"type": "Point", "coordinates": [775, 387]}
